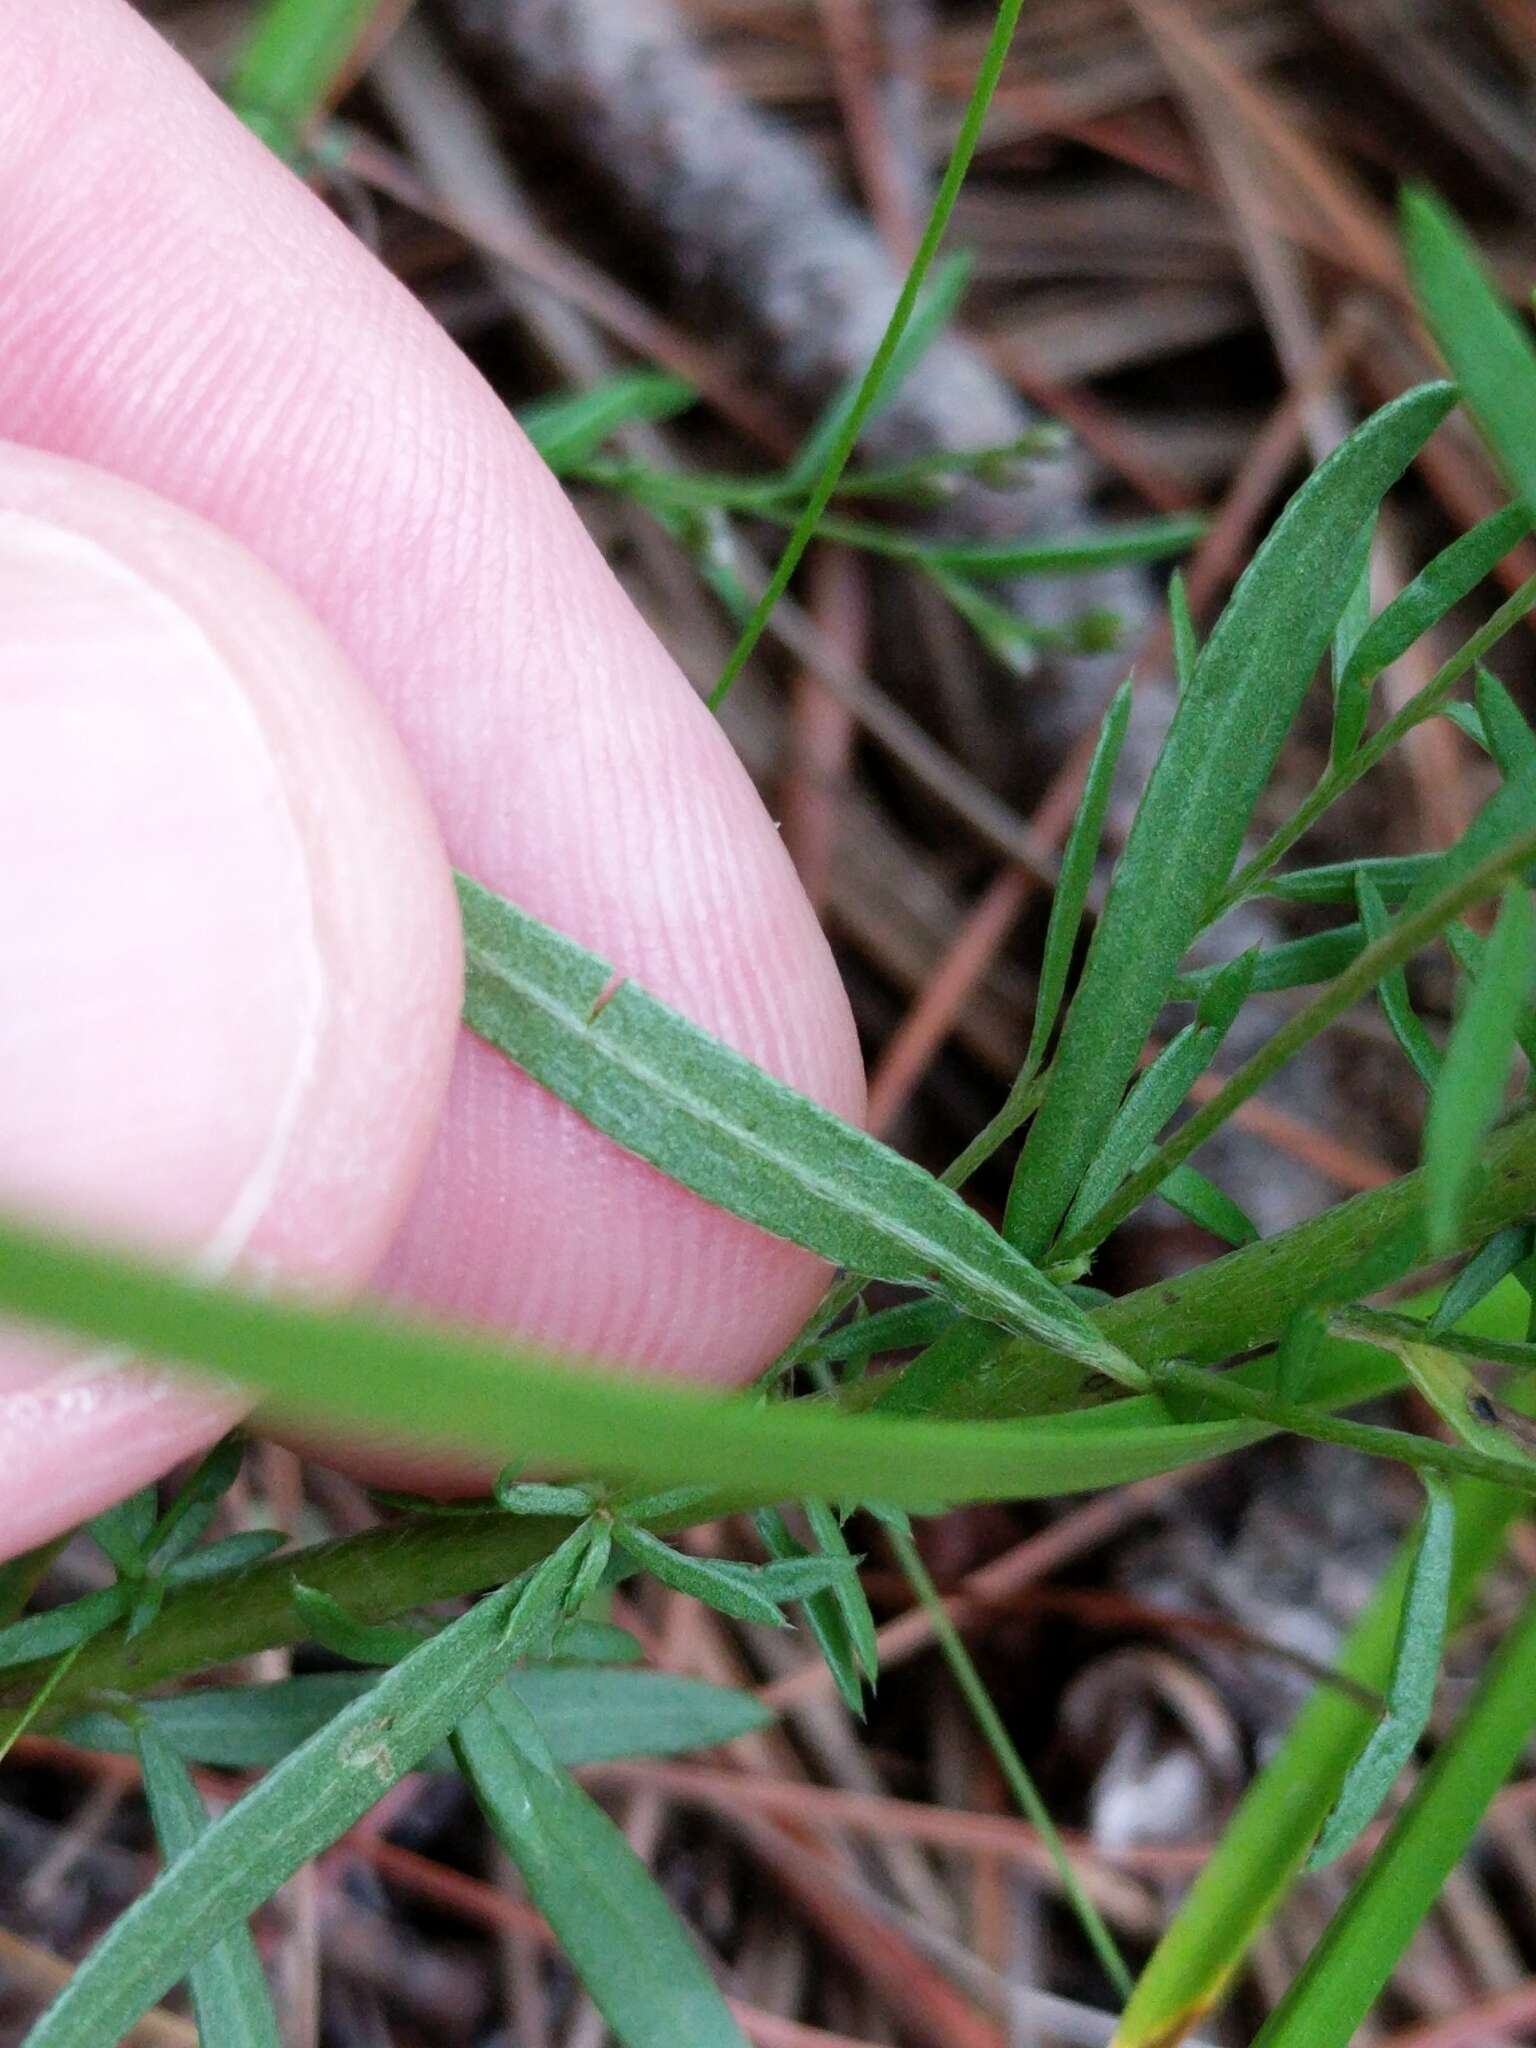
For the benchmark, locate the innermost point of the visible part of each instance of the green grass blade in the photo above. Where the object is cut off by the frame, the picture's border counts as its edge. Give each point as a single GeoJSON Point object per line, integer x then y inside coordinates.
{"type": "Point", "coordinates": [1226, 735]}
{"type": "Point", "coordinates": [623, 1940]}
{"type": "Point", "coordinates": [1265, 1846]}
{"type": "Point", "coordinates": [299, 1809]}
{"type": "Point", "coordinates": [229, 1993]}
{"type": "Point", "coordinates": [1366, 1938]}
{"type": "Point", "coordinates": [721, 1126]}
{"type": "Point", "coordinates": [1411, 1685]}
{"type": "Point", "coordinates": [1489, 351]}
{"type": "Point", "coordinates": [875, 377]}
{"type": "Point", "coordinates": [1470, 1088]}
{"type": "Point", "coordinates": [567, 430]}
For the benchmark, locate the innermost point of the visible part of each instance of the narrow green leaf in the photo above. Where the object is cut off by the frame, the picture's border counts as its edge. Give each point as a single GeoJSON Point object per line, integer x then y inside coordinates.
{"type": "Point", "coordinates": [1443, 583]}
{"type": "Point", "coordinates": [797, 1578]}
{"type": "Point", "coordinates": [731, 1588]}
{"type": "Point", "coordinates": [1489, 351]}
{"type": "Point", "coordinates": [1470, 1089]}
{"type": "Point", "coordinates": [1459, 1398]}
{"type": "Point", "coordinates": [1153, 1099]}
{"type": "Point", "coordinates": [1510, 739]}
{"type": "Point", "coordinates": [877, 379]}
{"type": "Point", "coordinates": [1187, 1190]}
{"type": "Point", "coordinates": [1078, 859]}
{"type": "Point", "coordinates": [931, 315]}
{"type": "Point", "coordinates": [515, 1497]}
{"type": "Point", "coordinates": [595, 1642]}
{"type": "Point", "coordinates": [1264, 1847]}
{"type": "Point", "coordinates": [1499, 1257]}
{"type": "Point", "coordinates": [1015, 641]}
{"type": "Point", "coordinates": [1411, 1685]}
{"type": "Point", "coordinates": [911, 1324]}
{"type": "Point", "coordinates": [1392, 991]}
{"type": "Point", "coordinates": [1142, 540]}
{"type": "Point", "coordinates": [21, 1576]}
{"type": "Point", "coordinates": [623, 1940]}
{"type": "Point", "coordinates": [1181, 627]}
{"type": "Point", "coordinates": [1394, 875]}
{"type": "Point", "coordinates": [822, 1614]}
{"type": "Point", "coordinates": [589, 1714]}
{"type": "Point", "coordinates": [231, 1554]}
{"type": "Point", "coordinates": [1295, 963]}
{"type": "Point", "coordinates": [189, 1514]}
{"type": "Point", "coordinates": [1351, 695]}
{"type": "Point", "coordinates": [291, 61]}
{"type": "Point", "coordinates": [1363, 1943]}
{"type": "Point", "coordinates": [568, 429]}
{"type": "Point", "coordinates": [723, 1127]}
{"type": "Point", "coordinates": [848, 1590]}
{"type": "Point", "coordinates": [1073, 881]}
{"type": "Point", "coordinates": [300, 1808]}
{"type": "Point", "coordinates": [1226, 735]}
{"type": "Point", "coordinates": [1467, 949]}
{"type": "Point", "coordinates": [59, 1629]}
{"type": "Point", "coordinates": [334, 1629]}
{"type": "Point", "coordinates": [123, 1531]}
{"type": "Point", "coordinates": [229, 1992]}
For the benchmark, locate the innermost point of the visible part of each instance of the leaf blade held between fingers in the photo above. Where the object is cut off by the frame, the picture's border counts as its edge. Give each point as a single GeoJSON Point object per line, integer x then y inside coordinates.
{"type": "Point", "coordinates": [625, 1943]}
{"type": "Point", "coordinates": [721, 1126]}
{"type": "Point", "coordinates": [229, 1991]}
{"type": "Point", "coordinates": [1226, 735]}
{"type": "Point", "coordinates": [299, 1809]}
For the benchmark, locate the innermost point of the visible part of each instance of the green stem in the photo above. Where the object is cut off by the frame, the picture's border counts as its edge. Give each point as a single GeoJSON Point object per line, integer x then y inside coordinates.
{"type": "Point", "coordinates": [1009, 1762]}
{"type": "Point", "coordinates": [1425, 1453]}
{"type": "Point", "coordinates": [874, 377]}
{"type": "Point", "coordinates": [1397, 945]}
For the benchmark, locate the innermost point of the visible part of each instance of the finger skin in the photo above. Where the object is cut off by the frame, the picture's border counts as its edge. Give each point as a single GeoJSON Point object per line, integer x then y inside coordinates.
{"type": "Point", "coordinates": [229, 958]}
{"type": "Point", "coordinates": [177, 307]}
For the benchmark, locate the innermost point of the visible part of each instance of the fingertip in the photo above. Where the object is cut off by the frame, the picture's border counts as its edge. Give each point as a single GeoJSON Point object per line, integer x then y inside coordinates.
{"type": "Point", "coordinates": [229, 940]}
